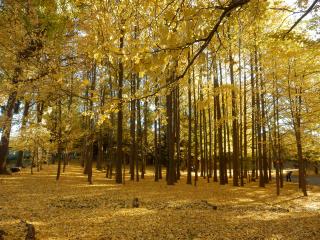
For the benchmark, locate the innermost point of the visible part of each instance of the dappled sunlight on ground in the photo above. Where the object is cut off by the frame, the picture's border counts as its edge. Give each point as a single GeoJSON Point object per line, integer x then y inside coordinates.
{"type": "Point", "coordinates": [73, 209]}
{"type": "Point", "coordinates": [134, 212]}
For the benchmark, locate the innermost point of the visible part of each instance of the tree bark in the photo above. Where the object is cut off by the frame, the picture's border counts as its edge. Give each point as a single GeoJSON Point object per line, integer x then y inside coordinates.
{"type": "Point", "coordinates": [133, 147]}
{"type": "Point", "coordinates": [189, 159]}
{"type": "Point", "coordinates": [120, 119]}
{"type": "Point", "coordinates": [235, 136]}
{"type": "Point", "coordinates": [259, 121]}
{"type": "Point", "coordinates": [253, 121]}
{"type": "Point", "coordinates": [170, 142]}
{"type": "Point", "coordinates": [219, 125]}
{"type": "Point", "coordinates": [196, 153]}
{"type": "Point", "coordinates": [23, 125]}
{"type": "Point", "coordinates": [6, 130]}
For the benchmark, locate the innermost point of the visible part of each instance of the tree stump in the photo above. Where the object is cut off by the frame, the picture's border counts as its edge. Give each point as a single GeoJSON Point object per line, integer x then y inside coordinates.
{"type": "Point", "coordinates": [31, 231]}
{"type": "Point", "coordinates": [15, 169]}
{"type": "Point", "coordinates": [135, 203]}
{"type": "Point", "coordinates": [2, 234]}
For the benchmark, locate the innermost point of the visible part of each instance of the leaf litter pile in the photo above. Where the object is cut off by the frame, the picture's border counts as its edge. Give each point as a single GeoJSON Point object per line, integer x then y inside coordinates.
{"type": "Point", "coordinates": [73, 209]}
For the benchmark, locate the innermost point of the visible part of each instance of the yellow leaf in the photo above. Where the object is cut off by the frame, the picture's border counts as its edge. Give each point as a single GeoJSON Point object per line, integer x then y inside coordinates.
{"type": "Point", "coordinates": [86, 82]}
{"type": "Point", "coordinates": [141, 74]}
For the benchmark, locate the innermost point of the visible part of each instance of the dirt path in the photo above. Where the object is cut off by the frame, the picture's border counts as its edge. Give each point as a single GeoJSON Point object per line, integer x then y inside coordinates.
{"type": "Point", "coordinates": [311, 179]}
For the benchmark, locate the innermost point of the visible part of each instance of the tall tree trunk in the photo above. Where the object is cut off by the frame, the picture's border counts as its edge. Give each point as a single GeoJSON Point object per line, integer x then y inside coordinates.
{"type": "Point", "coordinates": [23, 126]}
{"type": "Point", "coordinates": [295, 107]}
{"type": "Point", "coordinates": [270, 147]}
{"type": "Point", "coordinates": [240, 97]}
{"type": "Point", "coordinates": [253, 121]}
{"type": "Point", "coordinates": [169, 138]}
{"type": "Point", "coordinates": [202, 174]}
{"type": "Point", "coordinates": [219, 125]}
{"type": "Point", "coordinates": [235, 136]}
{"type": "Point", "coordinates": [210, 143]}
{"type": "Point", "coordinates": [189, 159]}
{"type": "Point", "coordinates": [279, 144]}
{"type": "Point", "coordinates": [178, 163]}
{"type": "Point", "coordinates": [139, 132]}
{"type": "Point", "coordinates": [145, 139]}
{"type": "Point", "coordinates": [159, 146]}
{"type": "Point", "coordinates": [110, 134]}
{"type": "Point", "coordinates": [120, 119]}
{"type": "Point", "coordinates": [205, 136]}
{"type": "Point", "coordinates": [259, 121]}
{"type": "Point", "coordinates": [6, 130]}
{"type": "Point", "coordinates": [245, 144]}
{"type": "Point", "coordinates": [91, 124]}
{"type": "Point", "coordinates": [264, 132]}
{"type": "Point", "coordinates": [195, 109]}
{"type": "Point", "coordinates": [226, 140]}
{"type": "Point", "coordinates": [133, 147]}
{"type": "Point", "coordinates": [156, 147]}
{"type": "Point", "coordinates": [59, 152]}
{"type": "Point", "coordinates": [174, 131]}
{"type": "Point", "coordinates": [302, 168]}
{"type": "Point", "coordinates": [9, 109]}
{"type": "Point", "coordinates": [40, 108]}
{"type": "Point", "coordinates": [276, 150]}
{"type": "Point", "coordinates": [215, 146]}
{"type": "Point", "coordinates": [263, 123]}
{"type": "Point", "coordinates": [86, 124]}
{"type": "Point", "coordinates": [101, 145]}
{"type": "Point", "coordinates": [100, 158]}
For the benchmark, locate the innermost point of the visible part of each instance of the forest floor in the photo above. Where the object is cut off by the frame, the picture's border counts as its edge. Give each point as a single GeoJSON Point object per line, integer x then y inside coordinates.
{"type": "Point", "coordinates": [73, 209]}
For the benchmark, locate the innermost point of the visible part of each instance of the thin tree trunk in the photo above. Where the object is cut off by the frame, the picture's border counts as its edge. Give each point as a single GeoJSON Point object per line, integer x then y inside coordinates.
{"type": "Point", "coordinates": [133, 146]}
{"type": "Point", "coordinates": [170, 142]}
{"type": "Point", "coordinates": [219, 125]}
{"type": "Point", "coordinates": [205, 144]}
{"type": "Point", "coordinates": [196, 154]}
{"type": "Point", "coordinates": [210, 143]}
{"type": "Point", "coordinates": [178, 163]}
{"type": "Point", "coordinates": [120, 119]}
{"type": "Point", "coordinates": [159, 146]}
{"type": "Point", "coordinates": [240, 97]}
{"type": "Point", "coordinates": [189, 179]}
{"type": "Point", "coordinates": [215, 146]}
{"type": "Point", "coordinates": [245, 144]}
{"type": "Point", "coordinates": [276, 149]}
{"type": "Point", "coordinates": [23, 126]}
{"type": "Point", "coordinates": [235, 137]}
{"type": "Point", "coordinates": [201, 131]}
{"type": "Point", "coordinates": [145, 139]}
{"type": "Point", "coordinates": [295, 107]}
{"type": "Point", "coordinates": [264, 132]}
{"type": "Point", "coordinates": [59, 139]}
{"type": "Point", "coordinates": [156, 155]}
{"type": "Point", "coordinates": [226, 140]}
{"type": "Point", "coordinates": [259, 120]}
{"type": "Point", "coordinates": [101, 146]}
{"type": "Point", "coordinates": [91, 123]}
{"type": "Point", "coordinates": [253, 121]}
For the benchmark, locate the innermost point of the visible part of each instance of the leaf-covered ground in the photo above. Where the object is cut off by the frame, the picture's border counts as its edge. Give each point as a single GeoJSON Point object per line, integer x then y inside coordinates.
{"type": "Point", "coordinates": [73, 209]}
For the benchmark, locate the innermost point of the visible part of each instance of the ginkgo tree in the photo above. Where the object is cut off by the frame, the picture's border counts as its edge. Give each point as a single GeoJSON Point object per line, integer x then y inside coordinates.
{"type": "Point", "coordinates": [179, 84]}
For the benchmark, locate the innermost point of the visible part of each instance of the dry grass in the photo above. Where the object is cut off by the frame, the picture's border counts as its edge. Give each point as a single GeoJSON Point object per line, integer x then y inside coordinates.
{"type": "Point", "coordinates": [72, 209]}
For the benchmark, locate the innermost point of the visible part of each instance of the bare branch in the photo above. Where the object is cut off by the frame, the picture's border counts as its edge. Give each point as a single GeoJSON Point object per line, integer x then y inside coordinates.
{"type": "Point", "coordinates": [227, 10]}
{"type": "Point", "coordinates": [303, 15]}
